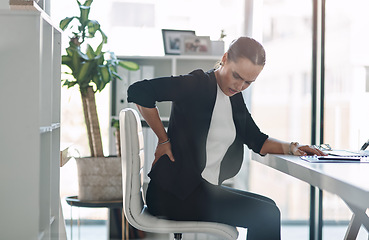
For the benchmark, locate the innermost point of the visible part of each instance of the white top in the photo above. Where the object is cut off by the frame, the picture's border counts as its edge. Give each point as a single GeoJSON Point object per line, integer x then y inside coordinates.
{"type": "Point", "coordinates": [222, 133]}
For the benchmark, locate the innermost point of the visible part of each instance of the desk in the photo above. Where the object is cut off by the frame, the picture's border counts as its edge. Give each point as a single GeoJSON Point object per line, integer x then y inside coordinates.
{"type": "Point", "coordinates": [349, 181]}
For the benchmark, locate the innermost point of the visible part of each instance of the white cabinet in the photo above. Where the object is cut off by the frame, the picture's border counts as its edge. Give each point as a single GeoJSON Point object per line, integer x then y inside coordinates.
{"type": "Point", "coordinates": [30, 68]}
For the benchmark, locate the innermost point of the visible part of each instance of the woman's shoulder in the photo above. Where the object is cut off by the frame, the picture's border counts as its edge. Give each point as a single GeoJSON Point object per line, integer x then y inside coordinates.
{"type": "Point", "coordinates": [196, 84]}
{"type": "Point", "coordinates": [197, 72]}
{"type": "Point", "coordinates": [200, 73]}
{"type": "Point", "coordinates": [200, 76]}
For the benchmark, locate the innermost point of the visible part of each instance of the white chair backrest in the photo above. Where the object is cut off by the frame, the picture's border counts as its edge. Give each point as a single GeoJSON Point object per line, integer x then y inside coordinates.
{"type": "Point", "coordinates": [132, 148]}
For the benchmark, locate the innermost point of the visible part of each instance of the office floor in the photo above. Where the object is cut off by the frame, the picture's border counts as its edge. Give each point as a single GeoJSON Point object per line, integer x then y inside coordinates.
{"type": "Point", "coordinates": [289, 232]}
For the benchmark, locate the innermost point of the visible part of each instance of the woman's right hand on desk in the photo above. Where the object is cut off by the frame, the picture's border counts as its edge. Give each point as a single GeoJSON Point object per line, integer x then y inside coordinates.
{"type": "Point", "coordinates": [163, 149]}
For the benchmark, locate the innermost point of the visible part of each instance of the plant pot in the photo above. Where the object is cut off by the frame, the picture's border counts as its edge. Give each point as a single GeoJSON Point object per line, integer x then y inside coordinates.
{"type": "Point", "coordinates": [99, 178]}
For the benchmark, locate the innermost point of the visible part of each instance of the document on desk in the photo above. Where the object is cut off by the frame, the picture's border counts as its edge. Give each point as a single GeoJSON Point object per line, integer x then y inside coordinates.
{"type": "Point", "coordinates": [338, 156]}
{"type": "Point", "coordinates": [346, 153]}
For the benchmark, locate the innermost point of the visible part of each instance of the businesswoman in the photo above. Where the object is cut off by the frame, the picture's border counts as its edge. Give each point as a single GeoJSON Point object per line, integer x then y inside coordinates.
{"type": "Point", "coordinates": [208, 126]}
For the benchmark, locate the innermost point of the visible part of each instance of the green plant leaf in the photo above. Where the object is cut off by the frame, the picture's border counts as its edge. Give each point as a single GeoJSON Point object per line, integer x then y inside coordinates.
{"type": "Point", "coordinates": [85, 11]}
{"type": "Point", "coordinates": [115, 123]}
{"type": "Point", "coordinates": [90, 52]}
{"type": "Point", "coordinates": [96, 80]}
{"type": "Point", "coordinates": [112, 65]}
{"type": "Point", "coordinates": [129, 65]}
{"type": "Point", "coordinates": [69, 84]}
{"type": "Point", "coordinates": [65, 22]}
{"type": "Point", "coordinates": [104, 37]}
{"type": "Point", "coordinates": [99, 49]}
{"type": "Point", "coordinates": [115, 74]}
{"type": "Point", "coordinates": [83, 72]}
{"type": "Point", "coordinates": [93, 27]}
{"type": "Point", "coordinates": [66, 59]}
{"type": "Point", "coordinates": [69, 51]}
{"type": "Point", "coordinates": [100, 59]}
{"type": "Point", "coordinates": [102, 86]}
{"type": "Point", "coordinates": [105, 73]}
{"type": "Point", "coordinates": [88, 3]}
{"type": "Point", "coordinates": [84, 56]}
{"type": "Point", "coordinates": [113, 71]}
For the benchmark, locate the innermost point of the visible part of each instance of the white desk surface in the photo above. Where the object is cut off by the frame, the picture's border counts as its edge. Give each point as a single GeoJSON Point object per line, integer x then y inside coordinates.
{"type": "Point", "coordinates": [350, 181]}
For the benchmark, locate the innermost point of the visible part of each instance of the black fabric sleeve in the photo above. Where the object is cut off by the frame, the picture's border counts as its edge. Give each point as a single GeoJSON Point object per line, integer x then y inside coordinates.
{"type": "Point", "coordinates": [140, 93]}
{"type": "Point", "coordinates": [246, 127]}
{"type": "Point", "coordinates": [147, 92]}
{"type": "Point", "coordinates": [254, 138]}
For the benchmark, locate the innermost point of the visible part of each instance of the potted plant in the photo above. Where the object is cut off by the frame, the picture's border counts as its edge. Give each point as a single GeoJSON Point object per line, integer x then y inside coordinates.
{"type": "Point", "coordinates": [92, 69]}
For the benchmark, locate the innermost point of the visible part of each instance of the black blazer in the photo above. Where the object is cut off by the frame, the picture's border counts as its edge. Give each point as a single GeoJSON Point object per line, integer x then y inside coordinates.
{"type": "Point", "coordinates": [193, 98]}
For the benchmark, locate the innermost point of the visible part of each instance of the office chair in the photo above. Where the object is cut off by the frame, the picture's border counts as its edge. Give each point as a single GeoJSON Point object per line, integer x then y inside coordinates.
{"type": "Point", "coordinates": [134, 207]}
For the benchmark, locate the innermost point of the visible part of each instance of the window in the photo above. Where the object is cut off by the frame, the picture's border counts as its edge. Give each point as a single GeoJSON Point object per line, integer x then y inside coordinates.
{"type": "Point", "coordinates": [346, 94]}
{"type": "Point", "coordinates": [281, 99]}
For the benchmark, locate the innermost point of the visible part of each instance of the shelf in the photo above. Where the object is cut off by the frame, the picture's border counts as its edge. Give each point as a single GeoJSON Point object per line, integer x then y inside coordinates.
{"type": "Point", "coordinates": [50, 128]}
{"type": "Point", "coordinates": [46, 129]}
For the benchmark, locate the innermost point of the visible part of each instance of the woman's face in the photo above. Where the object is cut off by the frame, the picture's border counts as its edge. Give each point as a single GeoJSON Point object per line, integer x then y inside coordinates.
{"type": "Point", "coordinates": [234, 77]}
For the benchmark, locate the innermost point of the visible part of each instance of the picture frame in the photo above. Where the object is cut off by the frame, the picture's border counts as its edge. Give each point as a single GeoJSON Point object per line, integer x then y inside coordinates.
{"type": "Point", "coordinates": [196, 45]}
{"type": "Point", "coordinates": [172, 40]}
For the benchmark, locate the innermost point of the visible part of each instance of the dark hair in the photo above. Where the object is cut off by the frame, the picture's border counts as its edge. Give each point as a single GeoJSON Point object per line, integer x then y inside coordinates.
{"type": "Point", "coordinates": [249, 48]}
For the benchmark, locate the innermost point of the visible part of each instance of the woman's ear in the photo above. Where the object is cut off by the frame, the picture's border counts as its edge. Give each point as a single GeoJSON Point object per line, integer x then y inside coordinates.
{"type": "Point", "coordinates": [225, 57]}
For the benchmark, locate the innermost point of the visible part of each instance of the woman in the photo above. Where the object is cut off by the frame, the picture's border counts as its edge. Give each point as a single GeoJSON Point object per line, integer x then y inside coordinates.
{"type": "Point", "coordinates": [208, 126]}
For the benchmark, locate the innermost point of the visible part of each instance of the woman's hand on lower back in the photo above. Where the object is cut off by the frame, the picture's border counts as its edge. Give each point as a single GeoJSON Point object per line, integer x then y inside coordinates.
{"type": "Point", "coordinates": [163, 149]}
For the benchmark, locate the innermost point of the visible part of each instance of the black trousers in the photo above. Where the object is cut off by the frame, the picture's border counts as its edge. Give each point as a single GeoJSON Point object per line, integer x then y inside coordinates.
{"type": "Point", "coordinates": [212, 203]}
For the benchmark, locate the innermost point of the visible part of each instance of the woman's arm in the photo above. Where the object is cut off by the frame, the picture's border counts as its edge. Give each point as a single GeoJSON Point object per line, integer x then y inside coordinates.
{"type": "Point", "coordinates": [275, 146]}
{"type": "Point", "coordinates": [146, 93]}
{"type": "Point", "coordinates": [151, 115]}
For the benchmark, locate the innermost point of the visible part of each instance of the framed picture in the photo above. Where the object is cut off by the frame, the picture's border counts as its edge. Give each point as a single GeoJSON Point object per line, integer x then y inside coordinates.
{"type": "Point", "coordinates": [172, 40]}
{"type": "Point", "coordinates": [196, 45]}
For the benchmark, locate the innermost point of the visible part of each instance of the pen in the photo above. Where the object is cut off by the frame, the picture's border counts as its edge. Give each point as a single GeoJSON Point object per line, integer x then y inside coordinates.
{"type": "Point", "coordinates": [366, 144]}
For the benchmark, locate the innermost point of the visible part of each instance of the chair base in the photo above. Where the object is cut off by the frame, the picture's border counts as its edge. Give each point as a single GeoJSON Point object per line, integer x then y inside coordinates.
{"type": "Point", "coordinates": [178, 236]}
